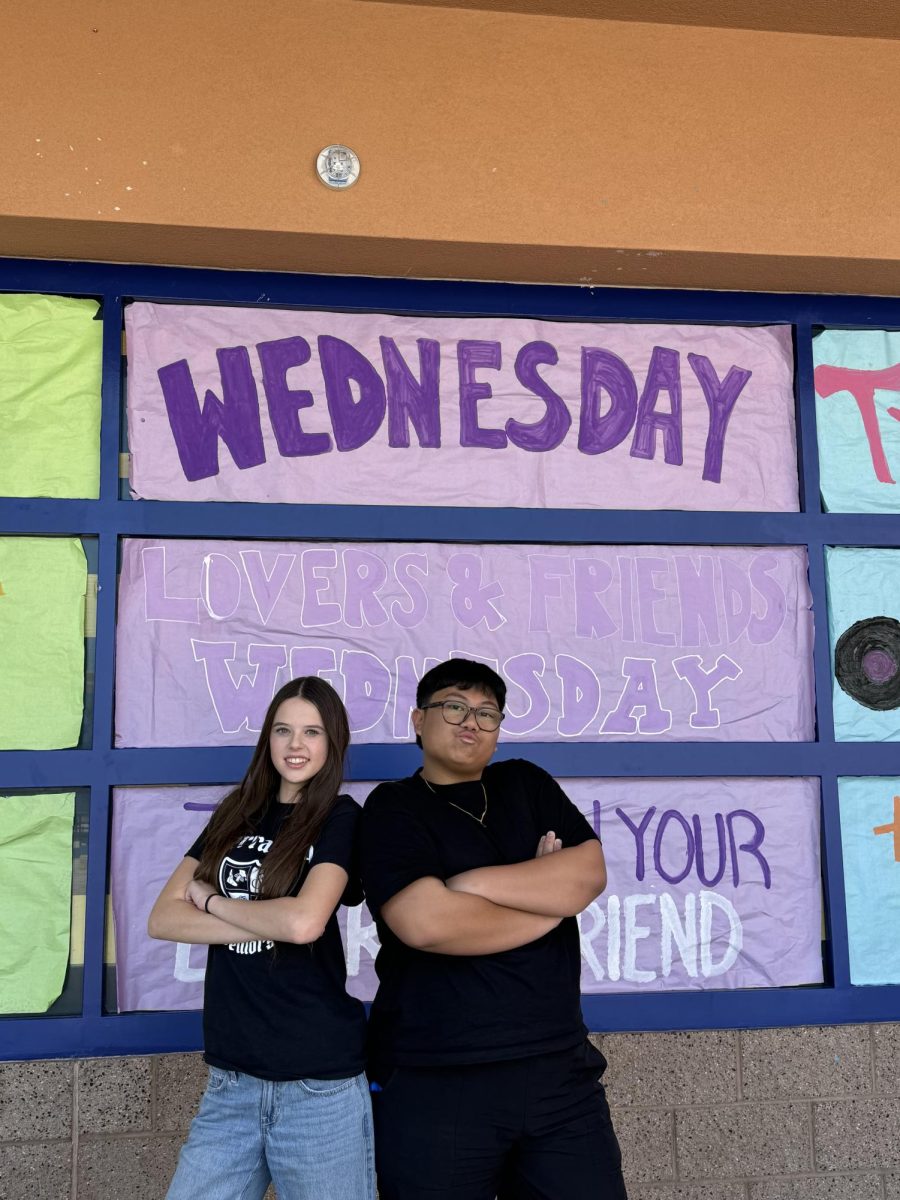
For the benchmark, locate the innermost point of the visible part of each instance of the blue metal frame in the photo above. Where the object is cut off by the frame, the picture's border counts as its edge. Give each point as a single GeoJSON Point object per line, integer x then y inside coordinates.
{"type": "Point", "coordinates": [110, 518]}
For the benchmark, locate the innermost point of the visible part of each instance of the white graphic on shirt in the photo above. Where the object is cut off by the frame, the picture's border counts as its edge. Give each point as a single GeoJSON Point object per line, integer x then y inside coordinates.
{"type": "Point", "coordinates": [241, 881]}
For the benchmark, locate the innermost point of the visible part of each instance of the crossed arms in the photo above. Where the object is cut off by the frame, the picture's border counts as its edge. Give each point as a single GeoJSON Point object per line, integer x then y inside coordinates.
{"type": "Point", "coordinates": [178, 914]}
{"type": "Point", "coordinates": [492, 909]}
{"type": "Point", "coordinates": [484, 911]}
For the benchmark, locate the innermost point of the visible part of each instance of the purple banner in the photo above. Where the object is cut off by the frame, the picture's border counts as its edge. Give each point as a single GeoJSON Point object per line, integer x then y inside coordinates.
{"type": "Point", "coordinates": [269, 405]}
{"type": "Point", "coordinates": [596, 642]}
{"type": "Point", "coordinates": [713, 883]}
{"type": "Point", "coordinates": [151, 830]}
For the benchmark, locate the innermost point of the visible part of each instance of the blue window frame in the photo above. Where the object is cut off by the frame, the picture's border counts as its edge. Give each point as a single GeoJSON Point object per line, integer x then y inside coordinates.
{"type": "Point", "coordinates": [96, 766]}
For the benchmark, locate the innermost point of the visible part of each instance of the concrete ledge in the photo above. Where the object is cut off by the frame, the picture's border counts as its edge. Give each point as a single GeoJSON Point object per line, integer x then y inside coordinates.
{"type": "Point", "coordinates": [334, 254]}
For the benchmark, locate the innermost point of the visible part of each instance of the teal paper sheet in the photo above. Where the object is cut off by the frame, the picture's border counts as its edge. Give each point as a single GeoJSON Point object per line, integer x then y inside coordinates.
{"type": "Point", "coordinates": [871, 877]}
{"type": "Point", "coordinates": [858, 435]}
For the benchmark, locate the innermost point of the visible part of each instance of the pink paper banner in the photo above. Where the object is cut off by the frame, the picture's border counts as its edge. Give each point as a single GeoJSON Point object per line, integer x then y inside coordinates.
{"type": "Point", "coordinates": [152, 828]}
{"type": "Point", "coordinates": [334, 408]}
{"type": "Point", "coordinates": [596, 642]}
{"type": "Point", "coordinates": [713, 883]}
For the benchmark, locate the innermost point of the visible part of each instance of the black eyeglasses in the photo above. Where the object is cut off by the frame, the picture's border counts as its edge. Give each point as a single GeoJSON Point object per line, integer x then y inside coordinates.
{"type": "Point", "coordinates": [455, 713]}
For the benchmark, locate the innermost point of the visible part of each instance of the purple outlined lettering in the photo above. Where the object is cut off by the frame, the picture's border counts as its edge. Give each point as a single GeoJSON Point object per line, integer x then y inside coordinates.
{"type": "Point", "coordinates": [412, 401]}
{"type": "Point", "coordinates": [284, 403]}
{"type": "Point", "coordinates": [234, 418]}
{"type": "Point", "coordinates": [663, 374]}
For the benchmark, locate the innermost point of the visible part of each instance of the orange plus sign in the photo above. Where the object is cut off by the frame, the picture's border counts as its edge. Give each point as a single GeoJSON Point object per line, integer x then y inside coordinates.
{"type": "Point", "coordinates": [894, 829]}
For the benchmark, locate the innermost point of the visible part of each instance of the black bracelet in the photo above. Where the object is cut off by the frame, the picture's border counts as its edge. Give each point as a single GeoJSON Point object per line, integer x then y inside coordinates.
{"type": "Point", "coordinates": [208, 898]}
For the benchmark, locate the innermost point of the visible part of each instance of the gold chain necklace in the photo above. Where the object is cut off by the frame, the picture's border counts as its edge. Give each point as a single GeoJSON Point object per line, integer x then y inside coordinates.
{"type": "Point", "coordinates": [459, 807]}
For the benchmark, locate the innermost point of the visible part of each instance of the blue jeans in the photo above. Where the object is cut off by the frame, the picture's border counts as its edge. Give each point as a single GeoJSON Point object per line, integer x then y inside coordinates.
{"type": "Point", "coordinates": [312, 1138]}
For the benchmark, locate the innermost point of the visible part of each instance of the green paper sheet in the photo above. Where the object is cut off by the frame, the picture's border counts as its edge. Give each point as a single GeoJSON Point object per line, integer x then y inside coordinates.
{"type": "Point", "coordinates": [50, 355]}
{"type": "Point", "coordinates": [35, 899]}
{"type": "Point", "coordinates": [42, 587]}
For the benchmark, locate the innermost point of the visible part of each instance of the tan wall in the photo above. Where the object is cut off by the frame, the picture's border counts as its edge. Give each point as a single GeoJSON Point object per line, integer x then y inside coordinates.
{"type": "Point", "coordinates": [773, 1114]}
{"type": "Point", "coordinates": [493, 144]}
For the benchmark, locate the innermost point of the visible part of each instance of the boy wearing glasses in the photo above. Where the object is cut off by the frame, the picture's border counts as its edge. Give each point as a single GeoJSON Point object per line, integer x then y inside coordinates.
{"type": "Point", "coordinates": [484, 1082]}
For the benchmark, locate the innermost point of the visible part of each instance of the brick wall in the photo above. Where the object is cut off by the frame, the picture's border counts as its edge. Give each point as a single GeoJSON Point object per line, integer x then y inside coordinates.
{"type": "Point", "coordinates": [774, 1114]}
{"type": "Point", "coordinates": [770, 1114]}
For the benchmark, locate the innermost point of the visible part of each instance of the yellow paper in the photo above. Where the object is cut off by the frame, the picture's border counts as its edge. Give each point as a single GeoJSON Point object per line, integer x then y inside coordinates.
{"type": "Point", "coordinates": [50, 361]}
{"type": "Point", "coordinates": [35, 899]}
{"type": "Point", "coordinates": [42, 588]}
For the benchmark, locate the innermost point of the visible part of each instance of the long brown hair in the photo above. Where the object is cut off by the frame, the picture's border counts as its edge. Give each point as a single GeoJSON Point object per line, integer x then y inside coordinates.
{"type": "Point", "coordinates": [242, 809]}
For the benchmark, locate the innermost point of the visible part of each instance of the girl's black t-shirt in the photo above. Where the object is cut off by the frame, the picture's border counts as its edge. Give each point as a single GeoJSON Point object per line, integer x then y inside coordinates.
{"type": "Point", "coordinates": [443, 1009]}
{"type": "Point", "coordinates": [278, 1010]}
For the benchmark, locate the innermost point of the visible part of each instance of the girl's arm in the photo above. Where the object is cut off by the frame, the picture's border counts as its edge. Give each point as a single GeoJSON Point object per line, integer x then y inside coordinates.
{"type": "Point", "coordinates": [174, 918]}
{"type": "Point", "coordinates": [300, 919]}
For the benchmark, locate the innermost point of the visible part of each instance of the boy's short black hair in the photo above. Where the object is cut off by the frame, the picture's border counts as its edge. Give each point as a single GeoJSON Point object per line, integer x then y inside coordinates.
{"type": "Point", "coordinates": [460, 673]}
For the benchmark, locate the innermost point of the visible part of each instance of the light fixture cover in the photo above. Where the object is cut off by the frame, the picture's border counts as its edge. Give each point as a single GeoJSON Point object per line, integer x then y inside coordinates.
{"type": "Point", "coordinates": [337, 166]}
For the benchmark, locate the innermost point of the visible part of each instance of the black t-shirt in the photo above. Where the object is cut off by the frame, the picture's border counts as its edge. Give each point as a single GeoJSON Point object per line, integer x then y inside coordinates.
{"type": "Point", "coordinates": [278, 1010]}
{"type": "Point", "coordinates": [434, 1009]}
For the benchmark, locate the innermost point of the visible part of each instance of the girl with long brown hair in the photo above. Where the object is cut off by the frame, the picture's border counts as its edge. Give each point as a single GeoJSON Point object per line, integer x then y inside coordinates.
{"type": "Point", "coordinates": [287, 1101]}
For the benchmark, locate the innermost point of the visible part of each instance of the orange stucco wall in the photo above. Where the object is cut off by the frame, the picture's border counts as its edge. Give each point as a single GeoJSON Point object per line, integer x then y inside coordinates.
{"type": "Point", "coordinates": [493, 144]}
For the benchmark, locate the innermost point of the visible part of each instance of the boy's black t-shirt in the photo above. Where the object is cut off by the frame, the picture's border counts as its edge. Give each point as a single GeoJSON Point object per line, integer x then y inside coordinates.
{"type": "Point", "coordinates": [278, 1010]}
{"type": "Point", "coordinates": [437, 1009]}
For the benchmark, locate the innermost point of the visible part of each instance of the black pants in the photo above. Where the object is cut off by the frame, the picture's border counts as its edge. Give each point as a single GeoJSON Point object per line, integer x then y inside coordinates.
{"type": "Point", "coordinates": [531, 1129]}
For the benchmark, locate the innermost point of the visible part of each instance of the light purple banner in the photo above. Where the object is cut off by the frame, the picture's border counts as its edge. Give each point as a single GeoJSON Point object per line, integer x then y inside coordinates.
{"type": "Point", "coordinates": [713, 883]}
{"type": "Point", "coordinates": [151, 830]}
{"type": "Point", "coordinates": [596, 642]}
{"type": "Point", "coordinates": [287, 406]}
